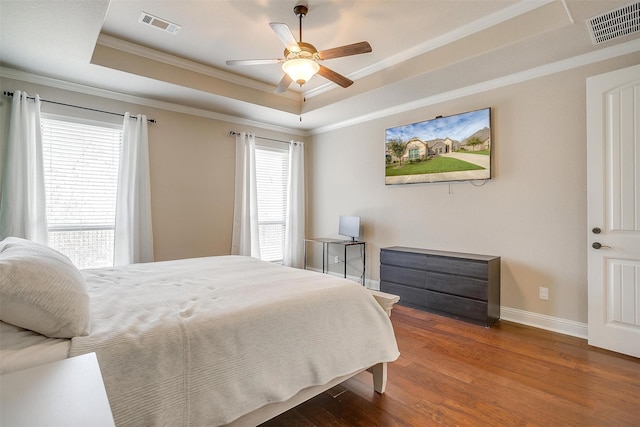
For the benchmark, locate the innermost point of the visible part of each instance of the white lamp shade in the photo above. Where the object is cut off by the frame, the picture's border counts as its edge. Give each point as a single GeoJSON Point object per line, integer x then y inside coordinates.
{"type": "Point", "coordinates": [300, 70]}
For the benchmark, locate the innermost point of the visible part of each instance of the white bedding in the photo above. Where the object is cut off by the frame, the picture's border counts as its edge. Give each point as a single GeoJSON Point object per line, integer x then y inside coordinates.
{"type": "Point", "coordinates": [204, 341]}
{"type": "Point", "coordinates": [22, 349]}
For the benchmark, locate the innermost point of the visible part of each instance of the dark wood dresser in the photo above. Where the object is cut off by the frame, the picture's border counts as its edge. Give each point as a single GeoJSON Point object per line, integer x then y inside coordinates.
{"type": "Point", "coordinates": [463, 286]}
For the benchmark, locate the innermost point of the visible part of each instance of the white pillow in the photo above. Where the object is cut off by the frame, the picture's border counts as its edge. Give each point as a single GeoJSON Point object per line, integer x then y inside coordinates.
{"type": "Point", "coordinates": [41, 290]}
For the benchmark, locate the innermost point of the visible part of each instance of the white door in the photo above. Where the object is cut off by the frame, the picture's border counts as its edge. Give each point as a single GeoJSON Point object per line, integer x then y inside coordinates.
{"type": "Point", "coordinates": [613, 181]}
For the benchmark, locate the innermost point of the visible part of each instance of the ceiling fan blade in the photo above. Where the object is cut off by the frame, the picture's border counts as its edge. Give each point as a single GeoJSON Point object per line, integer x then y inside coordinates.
{"type": "Point", "coordinates": [253, 61]}
{"type": "Point", "coordinates": [348, 50]}
{"type": "Point", "coordinates": [285, 35]}
{"type": "Point", "coordinates": [284, 84]}
{"type": "Point", "coordinates": [338, 79]}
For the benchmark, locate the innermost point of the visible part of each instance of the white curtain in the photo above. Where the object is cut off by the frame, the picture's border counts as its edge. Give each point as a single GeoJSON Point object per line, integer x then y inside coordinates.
{"type": "Point", "coordinates": [246, 238]}
{"type": "Point", "coordinates": [22, 208]}
{"type": "Point", "coordinates": [133, 228]}
{"type": "Point", "coordinates": [294, 231]}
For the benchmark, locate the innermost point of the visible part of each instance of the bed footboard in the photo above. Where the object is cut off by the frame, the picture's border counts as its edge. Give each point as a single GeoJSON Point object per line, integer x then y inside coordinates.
{"type": "Point", "coordinates": [385, 300]}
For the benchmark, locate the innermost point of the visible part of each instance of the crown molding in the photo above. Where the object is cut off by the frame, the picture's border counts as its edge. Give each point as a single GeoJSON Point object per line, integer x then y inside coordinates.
{"type": "Point", "coordinates": [467, 30]}
{"type": "Point", "coordinates": [13, 74]}
{"type": "Point", "coordinates": [175, 61]}
{"type": "Point", "coordinates": [533, 73]}
{"type": "Point", "coordinates": [568, 12]}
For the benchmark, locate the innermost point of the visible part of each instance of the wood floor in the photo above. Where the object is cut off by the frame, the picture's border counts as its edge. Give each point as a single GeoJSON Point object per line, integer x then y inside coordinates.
{"type": "Point", "coordinates": [451, 373]}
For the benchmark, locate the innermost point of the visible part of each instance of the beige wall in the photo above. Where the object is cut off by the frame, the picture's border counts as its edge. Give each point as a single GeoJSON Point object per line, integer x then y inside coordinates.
{"type": "Point", "coordinates": [192, 162]}
{"type": "Point", "coordinates": [532, 213]}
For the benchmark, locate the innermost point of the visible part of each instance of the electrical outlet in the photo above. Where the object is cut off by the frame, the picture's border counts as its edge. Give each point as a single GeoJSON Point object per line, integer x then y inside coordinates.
{"type": "Point", "coordinates": [543, 293]}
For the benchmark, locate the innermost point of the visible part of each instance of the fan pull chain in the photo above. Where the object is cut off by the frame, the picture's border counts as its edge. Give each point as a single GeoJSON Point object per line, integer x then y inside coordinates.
{"type": "Point", "coordinates": [300, 37]}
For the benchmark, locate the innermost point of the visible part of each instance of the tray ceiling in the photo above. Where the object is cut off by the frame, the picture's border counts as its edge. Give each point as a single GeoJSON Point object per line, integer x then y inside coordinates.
{"type": "Point", "coordinates": [420, 49]}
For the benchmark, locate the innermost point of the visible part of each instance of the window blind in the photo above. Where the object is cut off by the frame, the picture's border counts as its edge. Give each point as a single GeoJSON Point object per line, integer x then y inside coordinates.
{"type": "Point", "coordinates": [271, 176]}
{"type": "Point", "coordinates": [81, 174]}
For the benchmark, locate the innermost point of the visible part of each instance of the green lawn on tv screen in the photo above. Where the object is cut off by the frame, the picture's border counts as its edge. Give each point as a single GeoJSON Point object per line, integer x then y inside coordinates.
{"type": "Point", "coordinates": [435, 165]}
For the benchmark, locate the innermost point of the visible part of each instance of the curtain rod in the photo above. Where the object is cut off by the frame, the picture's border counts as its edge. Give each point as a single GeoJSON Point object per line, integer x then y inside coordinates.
{"type": "Point", "coordinates": [78, 106]}
{"type": "Point", "coordinates": [234, 133]}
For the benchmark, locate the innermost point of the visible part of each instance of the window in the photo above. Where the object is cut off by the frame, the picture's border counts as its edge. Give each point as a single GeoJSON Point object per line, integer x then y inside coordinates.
{"type": "Point", "coordinates": [271, 176]}
{"type": "Point", "coordinates": [414, 154]}
{"type": "Point", "coordinates": [81, 176]}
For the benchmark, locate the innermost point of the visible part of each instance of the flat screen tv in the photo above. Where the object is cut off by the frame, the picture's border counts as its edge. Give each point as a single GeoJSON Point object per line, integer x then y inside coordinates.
{"type": "Point", "coordinates": [349, 227]}
{"type": "Point", "coordinates": [452, 148]}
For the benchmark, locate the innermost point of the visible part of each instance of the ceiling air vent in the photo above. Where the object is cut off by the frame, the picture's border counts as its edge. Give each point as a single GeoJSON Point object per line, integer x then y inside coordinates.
{"type": "Point", "coordinates": [162, 24]}
{"type": "Point", "coordinates": [614, 24]}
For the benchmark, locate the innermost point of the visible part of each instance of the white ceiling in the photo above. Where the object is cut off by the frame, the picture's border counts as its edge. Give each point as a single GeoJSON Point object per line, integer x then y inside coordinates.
{"type": "Point", "coordinates": [420, 49]}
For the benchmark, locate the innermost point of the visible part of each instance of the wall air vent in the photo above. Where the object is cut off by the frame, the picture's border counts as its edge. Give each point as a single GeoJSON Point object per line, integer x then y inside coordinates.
{"type": "Point", "coordinates": [617, 23]}
{"type": "Point", "coordinates": [161, 24]}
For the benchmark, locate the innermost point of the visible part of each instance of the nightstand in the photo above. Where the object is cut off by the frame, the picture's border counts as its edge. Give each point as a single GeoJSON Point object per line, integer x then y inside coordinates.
{"type": "Point", "coordinates": [67, 393]}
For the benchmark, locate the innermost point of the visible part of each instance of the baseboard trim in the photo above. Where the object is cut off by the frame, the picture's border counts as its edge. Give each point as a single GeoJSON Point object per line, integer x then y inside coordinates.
{"type": "Point", "coordinates": [372, 284]}
{"type": "Point", "coordinates": [542, 321]}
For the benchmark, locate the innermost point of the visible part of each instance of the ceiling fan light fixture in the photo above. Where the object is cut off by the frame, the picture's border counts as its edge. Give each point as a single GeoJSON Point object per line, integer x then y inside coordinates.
{"type": "Point", "coordinates": [301, 59]}
{"type": "Point", "coordinates": [300, 69]}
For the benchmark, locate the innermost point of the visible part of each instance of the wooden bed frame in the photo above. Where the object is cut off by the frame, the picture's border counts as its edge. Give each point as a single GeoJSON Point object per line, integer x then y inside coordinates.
{"type": "Point", "coordinates": [272, 410]}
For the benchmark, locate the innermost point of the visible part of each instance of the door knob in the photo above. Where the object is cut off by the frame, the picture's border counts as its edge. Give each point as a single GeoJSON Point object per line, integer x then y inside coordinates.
{"type": "Point", "coordinates": [598, 245]}
{"type": "Point", "coordinates": [596, 230]}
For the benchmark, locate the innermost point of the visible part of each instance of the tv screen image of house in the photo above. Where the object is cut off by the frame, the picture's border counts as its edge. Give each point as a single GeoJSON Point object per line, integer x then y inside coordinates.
{"type": "Point", "coordinates": [452, 148]}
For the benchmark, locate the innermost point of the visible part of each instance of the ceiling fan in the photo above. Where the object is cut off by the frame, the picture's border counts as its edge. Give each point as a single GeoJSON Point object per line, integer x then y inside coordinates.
{"type": "Point", "coordinates": [301, 59]}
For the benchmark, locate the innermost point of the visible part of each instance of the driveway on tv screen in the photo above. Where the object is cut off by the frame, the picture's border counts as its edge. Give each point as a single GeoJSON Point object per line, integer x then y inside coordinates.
{"type": "Point", "coordinates": [476, 159]}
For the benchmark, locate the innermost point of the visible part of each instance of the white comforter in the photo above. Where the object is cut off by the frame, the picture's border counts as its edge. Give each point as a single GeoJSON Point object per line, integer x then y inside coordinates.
{"type": "Point", "coordinates": [203, 341]}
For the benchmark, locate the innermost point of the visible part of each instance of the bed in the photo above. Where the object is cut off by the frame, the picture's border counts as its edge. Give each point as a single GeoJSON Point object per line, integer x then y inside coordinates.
{"type": "Point", "coordinates": [204, 341]}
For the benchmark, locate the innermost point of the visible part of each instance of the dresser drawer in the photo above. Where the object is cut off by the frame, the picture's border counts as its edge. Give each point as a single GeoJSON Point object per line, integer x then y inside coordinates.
{"type": "Point", "coordinates": [457, 285]}
{"type": "Point", "coordinates": [403, 259]}
{"type": "Point", "coordinates": [458, 266]}
{"type": "Point", "coordinates": [410, 297]}
{"type": "Point", "coordinates": [465, 307]}
{"type": "Point", "coordinates": [403, 276]}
